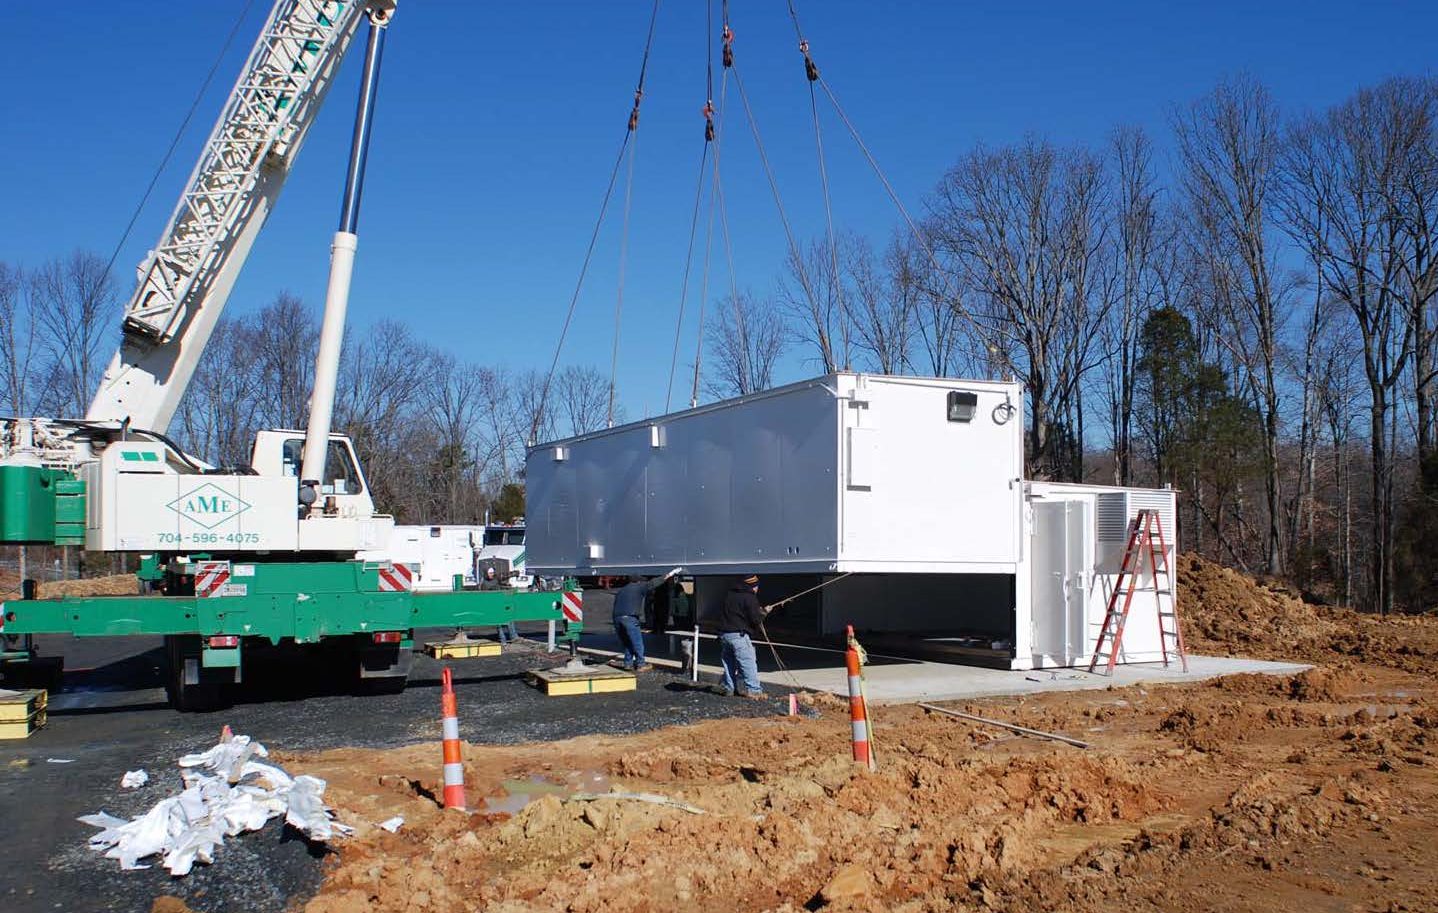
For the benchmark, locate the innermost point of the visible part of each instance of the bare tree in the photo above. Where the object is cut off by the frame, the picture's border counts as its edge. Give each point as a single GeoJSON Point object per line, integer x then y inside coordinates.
{"type": "Point", "coordinates": [579, 394]}
{"type": "Point", "coordinates": [1024, 227]}
{"type": "Point", "coordinates": [810, 293]}
{"type": "Point", "coordinates": [285, 336]}
{"type": "Point", "coordinates": [1140, 251]}
{"type": "Point", "coordinates": [745, 341]}
{"type": "Point", "coordinates": [885, 299]}
{"type": "Point", "coordinates": [1345, 173]}
{"type": "Point", "coordinates": [73, 306]}
{"type": "Point", "coordinates": [23, 384]}
{"type": "Point", "coordinates": [220, 412]}
{"type": "Point", "coordinates": [1228, 143]}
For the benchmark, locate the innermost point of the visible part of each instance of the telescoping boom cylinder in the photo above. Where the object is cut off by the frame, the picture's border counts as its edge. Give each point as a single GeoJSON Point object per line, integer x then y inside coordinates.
{"type": "Point", "coordinates": [342, 257]}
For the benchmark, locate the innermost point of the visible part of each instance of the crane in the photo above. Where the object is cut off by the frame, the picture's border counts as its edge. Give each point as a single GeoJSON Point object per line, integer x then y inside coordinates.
{"type": "Point", "coordinates": [290, 549]}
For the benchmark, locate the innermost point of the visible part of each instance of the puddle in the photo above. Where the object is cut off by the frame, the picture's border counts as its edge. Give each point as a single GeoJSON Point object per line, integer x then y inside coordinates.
{"type": "Point", "coordinates": [520, 792]}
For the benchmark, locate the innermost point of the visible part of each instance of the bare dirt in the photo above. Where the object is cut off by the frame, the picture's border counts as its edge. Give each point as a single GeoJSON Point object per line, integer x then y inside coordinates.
{"type": "Point", "coordinates": [1311, 792]}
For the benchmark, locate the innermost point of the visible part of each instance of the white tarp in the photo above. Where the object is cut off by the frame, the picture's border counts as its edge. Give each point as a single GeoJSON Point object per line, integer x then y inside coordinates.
{"type": "Point", "coordinates": [226, 792]}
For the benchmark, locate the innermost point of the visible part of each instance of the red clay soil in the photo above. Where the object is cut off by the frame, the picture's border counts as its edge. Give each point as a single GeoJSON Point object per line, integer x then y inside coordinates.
{"type": "Point", "coordinates": [1311, 792]}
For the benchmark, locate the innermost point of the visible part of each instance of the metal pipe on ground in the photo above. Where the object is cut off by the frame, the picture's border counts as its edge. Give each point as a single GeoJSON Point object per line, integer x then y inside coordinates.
{"type": "Point", "coordinates": [1038, 733]}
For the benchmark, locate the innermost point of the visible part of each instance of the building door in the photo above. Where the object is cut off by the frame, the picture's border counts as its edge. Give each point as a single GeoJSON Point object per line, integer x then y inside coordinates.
{"type": "Point", "coordinates": [1063, 541]}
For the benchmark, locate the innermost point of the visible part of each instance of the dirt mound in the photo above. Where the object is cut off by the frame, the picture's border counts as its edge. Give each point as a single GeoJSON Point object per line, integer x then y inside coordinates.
{"type": "Point", "coordinates": [111, 585]}
{"type": "Point", "coordinates": [1228, 613]}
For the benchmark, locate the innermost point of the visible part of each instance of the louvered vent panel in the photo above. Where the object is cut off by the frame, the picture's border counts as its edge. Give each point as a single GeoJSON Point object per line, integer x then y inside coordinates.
{"type": "Point", "coordinates": [1111, 515]}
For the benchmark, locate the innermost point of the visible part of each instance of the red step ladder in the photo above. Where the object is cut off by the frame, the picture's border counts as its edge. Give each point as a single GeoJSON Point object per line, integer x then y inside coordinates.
{"type": "Point", "coordinates": [1145, 537]}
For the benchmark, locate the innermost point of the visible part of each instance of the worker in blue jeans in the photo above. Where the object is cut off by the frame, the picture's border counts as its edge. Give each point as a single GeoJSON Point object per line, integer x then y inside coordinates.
{"type": "Point", "coordinates": [739, 621]}
{"type": "Point", "coordinates": [628, 606]}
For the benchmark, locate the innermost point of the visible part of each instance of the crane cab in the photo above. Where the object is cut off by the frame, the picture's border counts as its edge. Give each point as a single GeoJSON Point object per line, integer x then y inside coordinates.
{"type": "Point", "coordinates": [342, 493]}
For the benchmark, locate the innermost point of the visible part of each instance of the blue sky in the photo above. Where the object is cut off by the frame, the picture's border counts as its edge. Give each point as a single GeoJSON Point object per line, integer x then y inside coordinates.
{"type": "Point", "coordinates": [498, 123]}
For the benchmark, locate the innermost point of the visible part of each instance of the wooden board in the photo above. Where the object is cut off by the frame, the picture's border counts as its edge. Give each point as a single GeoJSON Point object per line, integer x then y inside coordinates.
{"type": "Point", "coordinates": [462, 649]}
{"type": "Point", "coordinates": [599, 681]}
{"type": "Point", "coordinates": [19, 729]}
{"type": "Point", "coordinates": [19, 706]}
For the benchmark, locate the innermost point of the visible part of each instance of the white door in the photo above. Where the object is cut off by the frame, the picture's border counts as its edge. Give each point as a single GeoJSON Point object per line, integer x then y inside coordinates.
{"type": "Point", "coordinates": [1061, 575]}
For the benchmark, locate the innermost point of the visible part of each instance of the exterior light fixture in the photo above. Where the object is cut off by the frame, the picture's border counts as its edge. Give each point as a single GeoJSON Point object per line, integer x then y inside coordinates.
{"type": "Point", "coordinates": [962, 405]}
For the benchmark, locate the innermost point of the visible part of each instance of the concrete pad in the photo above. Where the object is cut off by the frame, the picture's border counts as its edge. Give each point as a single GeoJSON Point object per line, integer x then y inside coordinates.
{"type": "Point", "coordinates": [907, 681]}
{"type": "Point", "coordinates": [898, 680]}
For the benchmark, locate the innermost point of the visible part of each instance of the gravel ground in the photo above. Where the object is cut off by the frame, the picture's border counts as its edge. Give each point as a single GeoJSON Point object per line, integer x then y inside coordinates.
{"type": "Point", "coordinates": [113, 717]}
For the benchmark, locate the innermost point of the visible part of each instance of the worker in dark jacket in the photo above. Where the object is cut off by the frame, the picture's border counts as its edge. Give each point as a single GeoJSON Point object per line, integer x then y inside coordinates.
{"type": "Point", "coordinates": [739, 621]}
{"type": "Point", "coordinates": [628, 606]}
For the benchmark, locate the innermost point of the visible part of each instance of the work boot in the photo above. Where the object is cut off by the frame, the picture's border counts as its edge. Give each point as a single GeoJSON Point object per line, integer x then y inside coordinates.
{"type": "Point", "coordinates": [643, 667]}
{"type": "Point", "coordinates": [618, 663]}
{"type": "Point", "coordinates": [753, 695]}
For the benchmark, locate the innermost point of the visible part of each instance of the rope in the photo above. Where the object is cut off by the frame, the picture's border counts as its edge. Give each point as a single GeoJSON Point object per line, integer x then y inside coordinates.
{"type": "Point", "coordinates": [594, 235]}
{"type": "Point", "coordinates": [770, 641]}
{"type": "Point", "coordinates": [175, 141]}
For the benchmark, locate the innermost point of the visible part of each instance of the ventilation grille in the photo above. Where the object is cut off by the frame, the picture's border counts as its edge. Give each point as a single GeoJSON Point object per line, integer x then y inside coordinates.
{"type": "Point", "coordinates": [1111, 514]}
{"type": "Point", "coordinates": [1115, 510]}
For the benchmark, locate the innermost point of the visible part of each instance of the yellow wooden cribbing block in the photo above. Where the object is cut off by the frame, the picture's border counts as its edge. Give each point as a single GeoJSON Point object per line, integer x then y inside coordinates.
{"type": "Point", "coordinates": [462, 649]}
{"type": "Point", "coordinates": [599, 681]}
{"type": "Point", "coordinates": [21, 713]}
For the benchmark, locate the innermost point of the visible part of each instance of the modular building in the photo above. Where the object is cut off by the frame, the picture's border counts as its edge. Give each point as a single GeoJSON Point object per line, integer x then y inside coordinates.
{"type": "Point", "coordinates": [905, 496]}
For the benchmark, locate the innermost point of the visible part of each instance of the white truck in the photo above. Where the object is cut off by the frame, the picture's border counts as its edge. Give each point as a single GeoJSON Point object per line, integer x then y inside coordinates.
{"type": "Point", "coordinates": [504, 550]}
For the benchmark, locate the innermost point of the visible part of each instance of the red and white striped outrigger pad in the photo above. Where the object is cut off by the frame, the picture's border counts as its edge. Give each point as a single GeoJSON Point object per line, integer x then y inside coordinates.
{"type": "Point", "coordinates": [395, 578]}
{"type": "Point", "coordinates": [211, 577]}
{"type": "Point", "coordinates": [572, 605]}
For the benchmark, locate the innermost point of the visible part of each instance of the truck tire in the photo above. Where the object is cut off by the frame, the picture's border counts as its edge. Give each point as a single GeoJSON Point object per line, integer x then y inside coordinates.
{"type": "Point", "coordinates": [381, 668]}
{"type": "Point", "coordinates": [182, 653]}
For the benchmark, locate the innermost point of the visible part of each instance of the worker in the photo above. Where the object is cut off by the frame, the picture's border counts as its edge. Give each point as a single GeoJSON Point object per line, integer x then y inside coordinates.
{"type": "Point", "coordinates": [739, 621]}
{"type": "Point", "coordinates": [628, 604]}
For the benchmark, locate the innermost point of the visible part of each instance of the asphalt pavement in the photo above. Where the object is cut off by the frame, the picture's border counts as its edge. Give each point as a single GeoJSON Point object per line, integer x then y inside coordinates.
{"type": "Point", "coordinates": [112, 717]}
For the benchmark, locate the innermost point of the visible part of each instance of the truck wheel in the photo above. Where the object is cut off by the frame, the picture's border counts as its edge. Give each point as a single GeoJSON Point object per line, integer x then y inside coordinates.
{"type": "Point", "coordinates": [183, 667]}
{"type": "Point", "coordinates": [381, 668]}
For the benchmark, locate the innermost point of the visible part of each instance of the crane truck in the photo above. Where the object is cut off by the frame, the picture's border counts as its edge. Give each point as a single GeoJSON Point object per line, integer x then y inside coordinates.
{"type": "Point", "coordinates": [288, 550]}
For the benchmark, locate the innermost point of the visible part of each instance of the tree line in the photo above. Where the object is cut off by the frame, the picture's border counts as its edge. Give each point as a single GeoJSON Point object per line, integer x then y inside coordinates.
{"type": "Point", "coordinates": [1245, 310]}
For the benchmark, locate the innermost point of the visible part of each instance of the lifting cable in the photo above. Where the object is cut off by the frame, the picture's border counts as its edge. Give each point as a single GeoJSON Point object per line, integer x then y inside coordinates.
{"type": "Point", "coordinates": [774, 190]}
{"type": "Point", "coordinates": [633, 131]}
{"type": "Point", "coordinates": [709, 134]}
{"type": "Point", "coordinates": [593, 239]}
{"type": "Point", "coordinates": [958, 306]}
{"type": "Point", "coordinates": [179, 133]}
{"type": "Point", "coordinates": [811, 73]}
{"type": "Point", "coordinates": [716, 203]}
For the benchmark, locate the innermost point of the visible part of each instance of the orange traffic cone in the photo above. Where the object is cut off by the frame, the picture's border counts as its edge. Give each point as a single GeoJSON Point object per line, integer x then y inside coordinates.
{"type": "Point", "coordinates": [858, 707]}
{"type": "Point", "coordinates": [453, 766]}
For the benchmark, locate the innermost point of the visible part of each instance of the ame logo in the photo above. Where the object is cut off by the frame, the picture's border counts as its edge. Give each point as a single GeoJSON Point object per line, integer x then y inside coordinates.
{"type": "Point", "coordinates": [208, 506]}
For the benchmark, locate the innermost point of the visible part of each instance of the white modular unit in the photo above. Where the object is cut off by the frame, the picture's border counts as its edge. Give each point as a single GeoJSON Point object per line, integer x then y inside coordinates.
{"type": "Point", "coordinates": [843, 473]}
{"type": "Point", "coordinates": [913, 485]}
{"type": "Point", "coordinates": [1079, 534]}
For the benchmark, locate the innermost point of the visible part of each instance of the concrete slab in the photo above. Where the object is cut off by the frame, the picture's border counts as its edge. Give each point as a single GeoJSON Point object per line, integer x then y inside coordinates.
{"type": "Point", "coordinates": [897, 679]}
{"type": "Point", "coordinates": [905, 682]}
